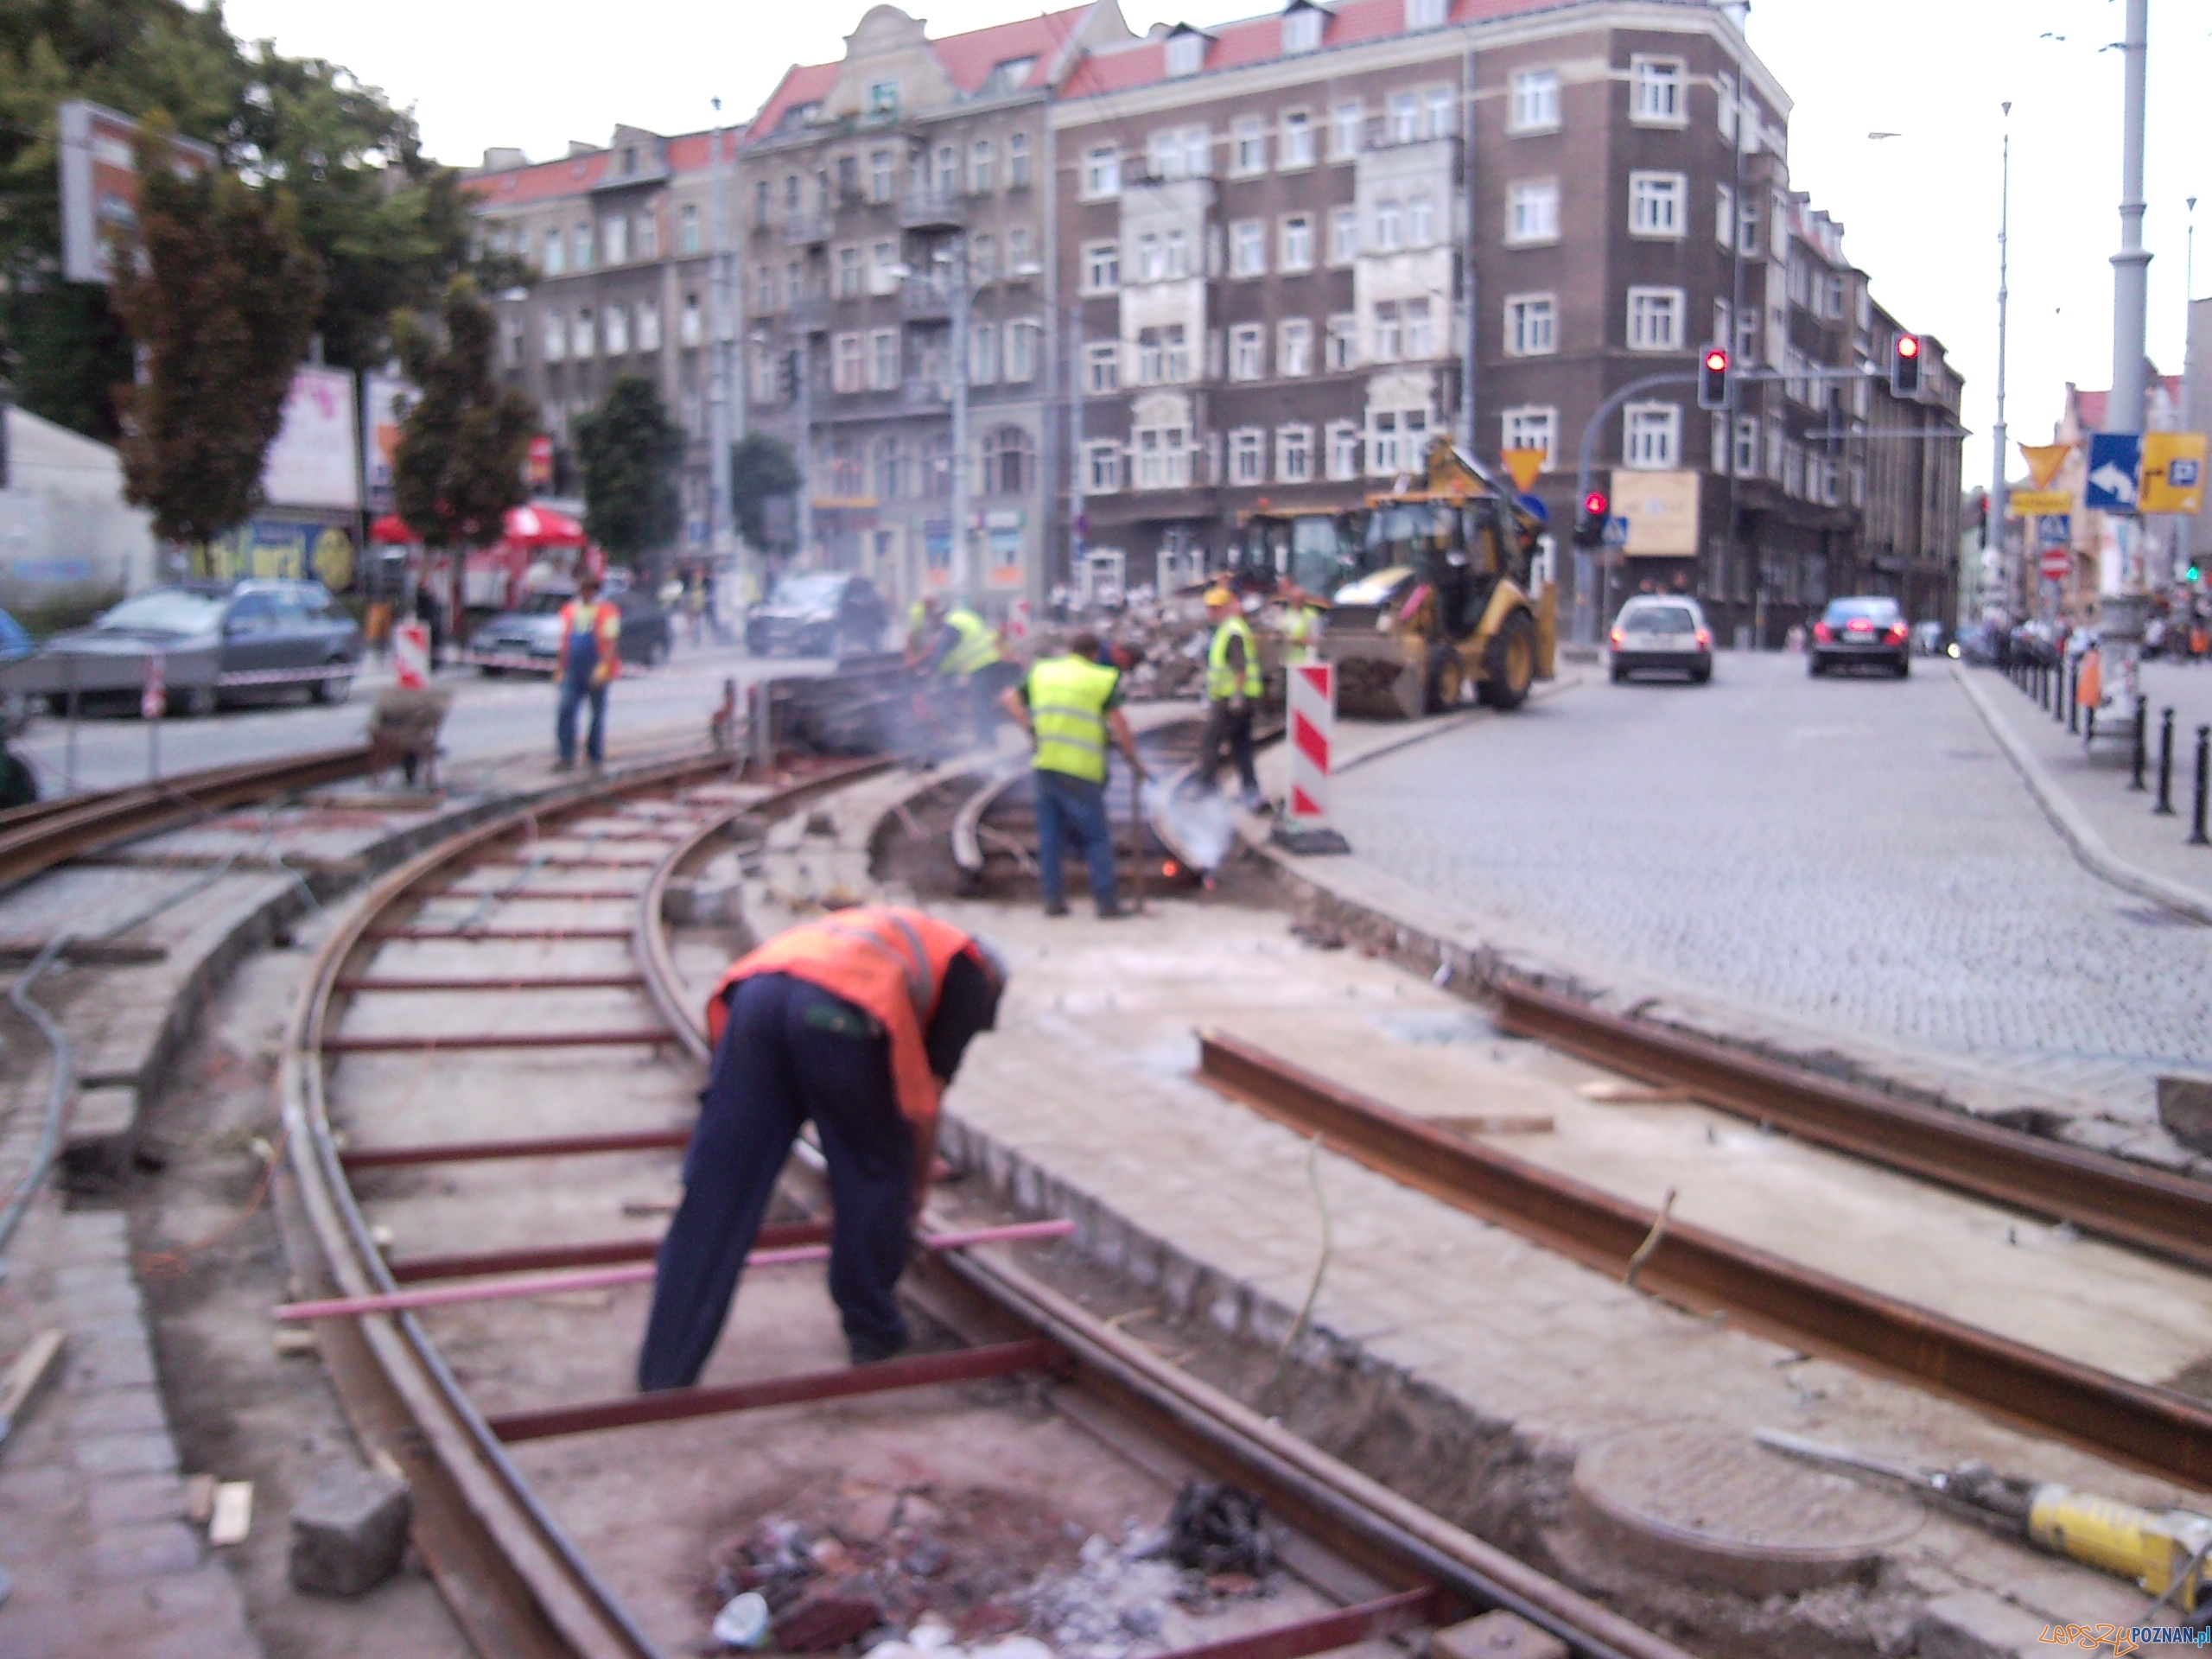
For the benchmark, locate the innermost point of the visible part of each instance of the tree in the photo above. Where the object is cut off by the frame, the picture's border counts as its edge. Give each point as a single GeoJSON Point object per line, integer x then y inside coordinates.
{"type": "Point", "coordinates": [760, 467]}
{"type": "Point", "coordinates": [629, 449]}
{"type": "Point", "coordinates": [221, 303]}
{"type": "Point", "coordinates": [457, 468]}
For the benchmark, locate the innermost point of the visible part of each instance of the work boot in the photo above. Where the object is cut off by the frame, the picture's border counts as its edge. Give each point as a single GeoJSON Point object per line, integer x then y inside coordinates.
{"type": "Point", "coordinates": [1056, 907]}
{"type": "Point", "coordinates": [1112, 912]}
{"type": "Point", "coordinates": [871, 1351]}
{"type": "Point", "coordinates": [564, 765]}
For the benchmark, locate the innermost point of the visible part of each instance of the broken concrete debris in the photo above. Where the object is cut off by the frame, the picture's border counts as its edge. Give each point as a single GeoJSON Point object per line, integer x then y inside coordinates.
{"type": "Point", "coordinates": [349, 1531]}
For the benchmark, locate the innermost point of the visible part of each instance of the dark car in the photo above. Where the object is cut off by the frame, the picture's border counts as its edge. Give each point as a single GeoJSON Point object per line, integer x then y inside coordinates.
{"type": "Point", "coordinates": [251, 642]}
{"type": "Point", "coordinates": [817, 614]}
{"type": "Point", "coordinates": [1866, 630]}
{"type": "Point", "coordinates": [528, 638]}
{"type": "Point", "coordinates": [1661, 633]}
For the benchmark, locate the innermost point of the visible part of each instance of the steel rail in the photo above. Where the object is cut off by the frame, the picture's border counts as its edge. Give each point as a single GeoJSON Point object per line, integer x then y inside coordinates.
{"type": "Point", "coordinates": [2148, 1208]}
{"type": "Point", "coordinates": [2146, 1428]}
{"type": "Point", "coordinates": [39, 838]}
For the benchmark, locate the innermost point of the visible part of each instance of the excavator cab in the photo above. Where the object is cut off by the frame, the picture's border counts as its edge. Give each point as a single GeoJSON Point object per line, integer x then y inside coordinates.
{"type": "Point", "coordinates": [1318, 550]}
{"type": "Point", "coordinates": [1447, 598]}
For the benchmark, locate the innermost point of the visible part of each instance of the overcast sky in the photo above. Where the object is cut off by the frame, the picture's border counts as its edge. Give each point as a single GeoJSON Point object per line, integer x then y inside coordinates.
{"type": "Point", "coordinates": [1919, 210]}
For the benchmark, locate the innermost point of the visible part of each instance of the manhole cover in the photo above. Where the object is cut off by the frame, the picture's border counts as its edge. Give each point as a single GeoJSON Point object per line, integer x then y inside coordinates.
{"type": "Point", "coordinates": [1713, 1505]}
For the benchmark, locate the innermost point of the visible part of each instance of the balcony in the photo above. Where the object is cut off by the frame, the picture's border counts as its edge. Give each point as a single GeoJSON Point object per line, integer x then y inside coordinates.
{"type": "Point", "coordinates": [933, 208]}
{"type": "Point", "coordinates": [923, 301]}
{"type": "Point", "coordinates": [806, 230]}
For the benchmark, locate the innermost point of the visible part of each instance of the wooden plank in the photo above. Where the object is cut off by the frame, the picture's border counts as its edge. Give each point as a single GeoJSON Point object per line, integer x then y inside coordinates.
{"type": "Point", "coordinates": [32, 1366]}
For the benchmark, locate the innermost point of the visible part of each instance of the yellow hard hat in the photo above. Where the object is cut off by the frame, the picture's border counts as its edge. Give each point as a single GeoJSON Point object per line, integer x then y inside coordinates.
{"type": "Point", "coordinates": [1220, 596]}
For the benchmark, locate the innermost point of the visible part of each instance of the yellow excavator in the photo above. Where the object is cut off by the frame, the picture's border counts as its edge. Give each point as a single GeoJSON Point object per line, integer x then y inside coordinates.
{"type": "Point", "coordinates": [1447, 598]}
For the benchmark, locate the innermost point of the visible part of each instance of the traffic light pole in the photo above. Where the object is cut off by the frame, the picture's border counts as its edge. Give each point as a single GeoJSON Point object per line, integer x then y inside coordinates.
{"type": "Point", "coordinates": [1587, 605]}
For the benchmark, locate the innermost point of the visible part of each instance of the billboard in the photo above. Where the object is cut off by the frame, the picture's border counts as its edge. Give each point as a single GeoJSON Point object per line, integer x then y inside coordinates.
{"type": "Point", "coordinates": [1662, 512]}
{"type": "Point", "coordinates": [99, 183]}
{"type": "Point", "coordinates": [385, 399]}
{"type": "Point", "coordinates": [315, 462]}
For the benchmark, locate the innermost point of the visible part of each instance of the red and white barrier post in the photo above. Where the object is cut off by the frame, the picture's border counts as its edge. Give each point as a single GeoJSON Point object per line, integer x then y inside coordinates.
{"type": "Point", "coordinates": [1312, 736]}
{"type": "Point", "coordinates": [153, 705]}
{"type": "Point", "coordinates": [410, 655]}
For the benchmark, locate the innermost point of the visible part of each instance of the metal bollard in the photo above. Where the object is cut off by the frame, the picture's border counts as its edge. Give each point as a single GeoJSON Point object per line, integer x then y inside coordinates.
{"type": "Point", "coordinates": [2142, 716]}
{"type": "Point", "coordinates": [2196, 835]}
{"type": "Point", "coordinates": [2070, 696]}
{"type": "Point", "coordinates": [2165, 809]}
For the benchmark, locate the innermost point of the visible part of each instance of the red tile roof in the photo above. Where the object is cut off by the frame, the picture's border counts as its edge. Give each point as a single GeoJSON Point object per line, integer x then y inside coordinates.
{"type": "Point", "coordinates": [1259, 39]}
{"type": "Point", "coordinates": [572, 176]}
{"type": "Point", "coordinates": [2089, 407]}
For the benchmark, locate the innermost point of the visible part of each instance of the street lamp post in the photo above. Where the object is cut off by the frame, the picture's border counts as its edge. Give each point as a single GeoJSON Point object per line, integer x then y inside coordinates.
{"type": "Point", "coordinates": [719, 436]}
{"type": "Point", "coordinates": [2000, 495]}
{"type": "Point", "coordinates": [2124, 589]}
{"type": "Point", "coordinates": [954, 256]}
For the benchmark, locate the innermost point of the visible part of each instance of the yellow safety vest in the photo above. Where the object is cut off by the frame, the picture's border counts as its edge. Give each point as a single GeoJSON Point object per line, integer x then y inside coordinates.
{"type": "Point", "coordinates": [1221, 679]}
{"type": "Point", "coordinates": [1301, 629]}
{"type": "Point", "coordinates": [978, 646]}
{"type": "Point", "coordinates": [1067, 707]}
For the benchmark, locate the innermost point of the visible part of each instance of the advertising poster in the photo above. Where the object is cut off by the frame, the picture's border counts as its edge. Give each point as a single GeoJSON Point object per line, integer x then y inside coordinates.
{"type": "Point", "coordinates": [315, 462]}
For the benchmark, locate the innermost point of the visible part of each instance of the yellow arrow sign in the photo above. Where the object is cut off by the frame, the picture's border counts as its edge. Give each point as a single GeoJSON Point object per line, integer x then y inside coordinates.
{"type": "Point", "coordinates": [2034, 504]}
{"type": "Point", "coordinates": [1526, 466]}
{"type": "Point", "coordinates": [2173, 472]}
{"type": "Point", "coordinates": [2044, 459]}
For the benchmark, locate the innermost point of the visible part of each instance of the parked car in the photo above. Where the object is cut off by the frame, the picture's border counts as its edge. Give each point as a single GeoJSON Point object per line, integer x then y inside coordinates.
{"type": "Point", "coordinates": [1928, 639]}
{"type": "Point", "coordinates": [254, 641]}
{"type": "Point", "coordinates": [1869, 628]}
{"type": "Point", "coordinates": [528, 638]}
{"type": "Point", "coordinates": [817, 614]}
{"type": "Point", "coordinates": [1662, 633]}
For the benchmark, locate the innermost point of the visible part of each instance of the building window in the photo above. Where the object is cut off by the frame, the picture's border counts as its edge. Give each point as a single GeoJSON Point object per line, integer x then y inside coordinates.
{"type": "Point", "coordinates": [1163, 457]}
{"type": "Point", "coordinates": [1722, 322]}
{"type": "Point", "coordinates": [883, 360]}
{"type": "Point", "coordinates": [1654, 204]}
{"type": "Point", "coordinates": [1179, 254]}
{"type": "Point", "coordinates": [1009, 462]}
{"type": "Point", "coordinates": [1101, 172]}
{"type": "Point", "coordinates": [1019, 261]}
{"type": "Point", "coordinates": [983, 353]}
{"type": "Point", "coordinates": [1344, 343]}
{"type": "Point", "coordinates": [1296, 146]}
{"type": "Point", "coordinates": [689, 328]}
{"type": "Point", "coordinates": [1102, 267]}
{"type": "Point", "coordinates": [1650, 436]}
{"type": "Point", "coordinates": [1186, 52]}
{"type": "Point", "coordinates": [1248, 455]}
{"type": "Point", "coordinates": [511, 332]}
{"type": "Point", "coordinates": [1102, 368]}
{"type": "Point", "coordinates": [845, 358]}
{"type": "Point", "coordinates": [649, 235]}
{"type": "Point", "coordinates": [1344, 449]}
{"type": "Point", "coordinates": [1247, 244]}
{"type": "Point", "coordinates": [883, 268]}
{"type": "Point", "coordinates": [1297, 243]}
{"type": "Point", "coordinates": [1397, 441]}
{"type": "Point", "coordinates": [982, 169]}
{"type": "Point", "coordinates": [1197, 152]}
{"type": "Point", "coordinates": [1775, 445]}
{"type": "Point", "coordinates": [1534, 106]}
{"type": "Point", "coordinates": [1724, 212]}
{"type": "Point", "coordinates": [1294, 454]}
{"type": "Point", "coordinates": [1152, 261]}
{"type": "Point", "coordinates": [1421, 222]}
{"type": "Point", "coordinates": [1724, 106]}
{"type": "Point", "coordinates": [554, 260]}
{"type": "Point", "coordinates": [1532, 211]}
{"type": "Point", "coordinates": [1388, 333]}
{"type": "Point", "coordinates": [1655, 318]}
{"type": "Point", "coordinates": [1294, 346]}
{"type": "Point", "coordinates": [554, 343]}
{"type": "Point", "coordinates": [1249, 150]}
{"type": "Point", "coordinates": [1163, 156]}
{"type": "Point", "coordinates": [618, 331]}
{"type": "Point", "coordinates": [893, 480]}
{"type": "Point", "coordinates": [848, 273]}
{"type": "Point", "coordinates": [580, 335]}
{"type": "Point", "coordinates": [1390, 225]}
{"type": "Point", "coordinates": [1658, 92]}
{"type": "Point", "coordinates": [1405, 117]}
{"type": "Point", "coordinates": [1247, 351]}
{"type": "Point", "coordinates": [1747, 447]}
{"type": "Point", "coordinates": [1426, 14]}
{"type": "Point", "coordinates": [1343, 236]}
{"type": "Point", "coordinates": [1530, 325]}
{"type": "Point", "coordinates": [1345, 123]}
{"type": "Point", "coordinates": [1163, 355]}
{"type": "Point", "coordinates": [580, 249]}
{"type": "Point", "coordinates": [614, 239]}
{"type": "Point", "coordinates": [1531, 428]}
{"type": "Point", "coordinates": [764, 289]}
{"type": "Point", "coordinates": [1421, 334]}
{"type": "Point", "coordinates": [1441, 104]}
{"type": "Point", "coordinates": [1301, 30]}
{"type": "Point", "coordinates": [1102, 472]}
{"type": "Point", "coordinates": [1021, 337]}
{"type": "Point", "coordinates": [649, 325]}
{"type": "Point", "coordinates": [1017, 161]}
{"type": "Point", "coordinates": [983, 258]}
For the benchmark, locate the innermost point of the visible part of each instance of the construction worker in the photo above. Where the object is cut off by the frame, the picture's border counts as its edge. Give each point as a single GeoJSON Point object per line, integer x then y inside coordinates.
{"type": "Point", "coordinates": [966, 654]}
{"type": "Point", "coordinates": [921, 630]}
{"type": "Point", "coordinates": [858, 1022]}
{"type": "Point", "coordinates": [591, 634]}
{"type": "Point", "coordinates": [1301, 625]}
{"type": "Point", "coordinates": [1233, 691]}
{"type": "Point", "coordinates": [1068, 704]}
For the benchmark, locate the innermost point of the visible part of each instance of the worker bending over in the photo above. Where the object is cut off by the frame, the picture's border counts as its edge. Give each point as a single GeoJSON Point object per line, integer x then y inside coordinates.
{"type": "Point", "coordinates": [1233, 689]}
{"type": "Point", "coordinates": [966, 653]}
{"type": "Point", "coordinates": [857, 1021]}
{"type": "Point", "coordinates": [591, 635]}
{"type": "Point", "coordinates": [1068, 704]}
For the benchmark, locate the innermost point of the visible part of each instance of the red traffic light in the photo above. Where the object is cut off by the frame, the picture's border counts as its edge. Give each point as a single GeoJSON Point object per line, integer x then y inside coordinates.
{"type": "Point", "coordinates": [1595, 504]}
{"type": "Point", "coordinates": [1716, 360]}
{"type": "Point", "coordinates": [1908, 345]}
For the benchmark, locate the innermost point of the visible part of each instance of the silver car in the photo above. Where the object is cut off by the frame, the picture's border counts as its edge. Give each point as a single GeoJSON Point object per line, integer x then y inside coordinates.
{"type": "Point", "coordinates": [1661, 633]}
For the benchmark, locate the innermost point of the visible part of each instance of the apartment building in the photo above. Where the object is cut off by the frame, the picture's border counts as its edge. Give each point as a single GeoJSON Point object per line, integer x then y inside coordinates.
{"type": "Point", "coordinates": [893, 205]}
{"type": "Point", "coordinates": [619, 240]}
{"type": "Point", "coordinates": [1274, 234]}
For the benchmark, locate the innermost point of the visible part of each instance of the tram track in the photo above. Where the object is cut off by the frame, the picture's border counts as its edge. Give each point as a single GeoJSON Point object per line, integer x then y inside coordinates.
{"type": "Point", "coordinates": [515, 1577]}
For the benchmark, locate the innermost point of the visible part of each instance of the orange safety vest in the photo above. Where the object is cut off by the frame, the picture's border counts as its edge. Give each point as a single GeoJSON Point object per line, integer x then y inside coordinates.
{"type": "Point", "coordinates": [604, 622]}
{"type": "Point", "coordinates": [2089, 687]}
{"type": "Point", "coordinates": [884, 959]}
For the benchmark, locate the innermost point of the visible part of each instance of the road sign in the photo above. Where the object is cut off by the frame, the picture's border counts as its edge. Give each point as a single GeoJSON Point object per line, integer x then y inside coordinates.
{"type": "Point", "coordinates": [410, 655]}
{"type": "Point", "coordinates": [1617, 531]}
{"type": "Point", "coordinates": [2044, 459]}
{"type": "Point", "coordinates": [2037, 504]}
{"type": "Point", "coordinates": [2054, 529]}
{"type": "Point", "coordinates": [2058, 564]}
{"type": "Point", "coordinates": [2173, 472]}
{"type": "Point", "coordinates": [2115, 471]}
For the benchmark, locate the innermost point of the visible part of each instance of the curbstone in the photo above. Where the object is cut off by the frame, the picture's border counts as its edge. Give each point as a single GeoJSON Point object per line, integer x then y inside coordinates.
{"type": "Point", "coordinates": [1973, 1624]}
{"type": "Point", "coordinates": [349, 1531]}
{"type": "Point", "coordinates": [101, 1138]}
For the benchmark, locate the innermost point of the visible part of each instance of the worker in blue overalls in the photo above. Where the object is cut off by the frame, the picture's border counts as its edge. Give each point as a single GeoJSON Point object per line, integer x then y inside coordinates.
{"type": "Point", "coordinates": [591, 636]}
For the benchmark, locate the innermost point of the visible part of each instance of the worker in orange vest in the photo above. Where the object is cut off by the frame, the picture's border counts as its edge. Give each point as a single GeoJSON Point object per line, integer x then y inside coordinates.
{"type": "Point", "coordinates": [858, 1022]}
{"type": "Point", "coordinates": [591, 639]}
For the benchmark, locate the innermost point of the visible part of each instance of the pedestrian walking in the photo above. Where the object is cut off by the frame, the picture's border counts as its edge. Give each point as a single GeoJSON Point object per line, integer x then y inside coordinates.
{"type": "Point", "coordinates": [1233, 689]}
{"type": "Point", "coordinates": [591, 634]}
{"type": "Point", "coordinates": [1069, 705]}
{"type": "Point", "coordinates": [857, 1021]}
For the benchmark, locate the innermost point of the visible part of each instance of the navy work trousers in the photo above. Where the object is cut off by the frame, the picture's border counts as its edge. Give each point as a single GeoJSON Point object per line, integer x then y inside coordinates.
{"type": "Point", "coordinates": [575, 689]}
{"type": "Point", "coordinates": [791, 1051]}
{"type": "Point", "coordinates": [1072, 808]}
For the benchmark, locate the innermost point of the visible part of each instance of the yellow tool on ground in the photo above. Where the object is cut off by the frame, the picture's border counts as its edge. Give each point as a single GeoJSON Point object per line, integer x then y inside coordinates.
{"type": "Point", "coordinates": [2168, 1553]}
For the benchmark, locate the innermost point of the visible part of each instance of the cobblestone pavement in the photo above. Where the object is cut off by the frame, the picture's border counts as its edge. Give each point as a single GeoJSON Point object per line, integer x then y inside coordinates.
{"type": "Point", "coordinates": [1852, 853]}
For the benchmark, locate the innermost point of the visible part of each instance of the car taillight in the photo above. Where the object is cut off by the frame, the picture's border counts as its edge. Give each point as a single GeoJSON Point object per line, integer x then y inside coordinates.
{"type": "Point", "coordinates": [1899, 634]}
{"type": "Point", "coordinates": [1704, 639]}
{"type": "Point", "coordinates": [1617, 636]}
{"type": "Point", "coordinates": [1824, 634]}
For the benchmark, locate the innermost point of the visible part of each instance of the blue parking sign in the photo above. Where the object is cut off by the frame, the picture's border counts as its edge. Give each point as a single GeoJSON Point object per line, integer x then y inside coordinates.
{"type": "Point", "coordinates": [2115, 471]}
